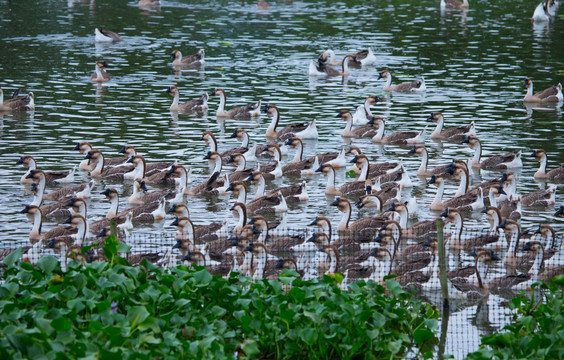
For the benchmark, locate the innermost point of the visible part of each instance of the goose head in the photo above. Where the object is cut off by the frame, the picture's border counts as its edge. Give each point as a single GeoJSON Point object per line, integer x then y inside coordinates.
{"type": "Point", "coordinates": [27, 161]}
{"type": "Point", "coordinates": [176, 55]}
{"type": "Point", "coordinates": [527, 83]}
{"type": "Point", "coordinates": [83, 146]}
{"type": "Point", "coordinates": [384, 75]}
{"type": "Point", "coordinates": [345, 115]}
{"type": "Point", "coordinates": [172, 90]}
{"type": "Point", "coordinates": [538, 154]}
{"type": "Point", "coordinates": [342, 204]}
{"type": "Point", "coordinates": [435, 117]}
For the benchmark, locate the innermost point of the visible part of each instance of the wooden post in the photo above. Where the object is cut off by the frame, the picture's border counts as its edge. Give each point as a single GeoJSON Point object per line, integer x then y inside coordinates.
{"type": "Point", "coordinates": [442, 263]}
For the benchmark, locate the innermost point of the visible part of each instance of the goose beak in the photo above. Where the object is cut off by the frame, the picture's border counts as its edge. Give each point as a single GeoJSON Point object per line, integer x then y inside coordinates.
{"type": "Point", "coordinates": [121, 151]}
{"type": "Point", "coordinates": [379, 76]}
{"type": "Point", "coordinates": [319, 169]}
{"type": "Point", "coordinates": [560, 211]}
{"type": "Point", "coordinates": [502, 225]}
{"type": "Point", "coordinates": [230, 188]}
{"type": "Point", "coordinates": [130, 160]}
{"type": "Point", "coordinates": [432, 180]}
{"type": "Point", "coordinates": [234, 241]}
{"type": "Point", "coordinates": [314, 222]}
{"type": "Point", "coordinates": [172, 209]}
{"type": "Point", "coordinates": [484, 210]}
{"type": "Point", "coordinates": [359, 203]}
{"type": "Point", "coordinates": [234, 135]}
{"type": "Point", "coordinates": [169, 90]}
{"type": "Point", "coordinates": [102, 233]}
{"type": "Point", "coordinates": [70, 202]}
{"type": "Point", "coordinates": [256, 230]}
{"type": "Point", "coordinates": [177, 245]}
{"type": "Point", "coordinates": [187, 257]}
{"type": "Point", "coordinates": [413, 149]}
{"type": "Point", "coordinates": [335, 202]}
{"type": "Point", "coordinates": [466, 140]}
{"type": "Point", "coordinates": [533, 154]}
{"type": "Point", "coordinates": [354, 160]}
{"type": "Point", "coordinates": [265, 108]}
{"type": "Point", "coordinates": [77, 147]}
{"type": "Point", "coordinates": [208, 156]}
{"type": "Point", "coordinates": [68, 220]}
{"type": "Point", "coordinates": [171, 170]}
{"type": "Point", "coordinates": [212, 93]}
{"type": "Point", "coordinates": [312, 238]}
{"type": "Point", "coordinates": [175, 222]}
{"type": "Point", "coordinates": [143, 185]}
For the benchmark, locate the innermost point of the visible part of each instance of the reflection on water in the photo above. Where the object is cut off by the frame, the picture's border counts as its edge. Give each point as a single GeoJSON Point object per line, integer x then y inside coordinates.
{"type": "Point", "coordinates": [471, 62]}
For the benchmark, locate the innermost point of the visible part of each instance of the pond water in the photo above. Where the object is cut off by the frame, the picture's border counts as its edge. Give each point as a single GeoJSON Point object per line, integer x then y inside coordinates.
{"type": "Point", "coordinates": [474, 64]}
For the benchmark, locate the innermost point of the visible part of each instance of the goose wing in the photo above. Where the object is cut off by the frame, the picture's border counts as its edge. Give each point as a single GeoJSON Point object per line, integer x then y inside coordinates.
{"type": "Point", "coordinates": [63, 192]}
{"type": "Point", "coordinates": [551, 91]}
{"type": "Point", "coordinates": [401, 137]}
{"type": "Point", "coordinates": [407, 86]}
{"type": "Point", "coordinates": [498, 161]}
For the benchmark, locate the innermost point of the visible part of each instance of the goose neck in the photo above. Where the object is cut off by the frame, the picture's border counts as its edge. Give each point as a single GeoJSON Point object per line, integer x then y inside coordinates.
{"type": "Point", "coordinates": [424, 162]}
{"type": "Point", "coordinates": [37, 222]}
{"type": "Point", "coordinates": [439, 195]}
{"type": "Point", "coordinates": [299, 153]}
{"type": "Point", "coordinates": [438, 128]}
{"type": "Point", "coordinates": [364, 171]}
{"type": "Point", "coordinates": [242, 198]}
{"type": "Point", "coordinates": [114, 203]}
{"type": "Point", "coordinates": [175, 100]}
{"type": "Point", "coordinates": [345, 219]}
{"type": "Point", "coordinates": [38, 199]}
{"type": "Point", "coordinates": [271, 130]}
{"type": "Point", "coordinates": [260, 187]}
{"type": "Point", "coordinates": [221, 108]}
{"type": "Point", "coordinates": [477, 153]}
{"type": "Point", "coordinates": [246, 139]}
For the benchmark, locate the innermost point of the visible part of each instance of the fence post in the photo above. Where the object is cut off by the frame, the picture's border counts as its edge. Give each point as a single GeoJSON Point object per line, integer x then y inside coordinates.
{"type": "Point", "coordinates": [444, 287]}
{"type": "Point", "coordinates": [442, 263]}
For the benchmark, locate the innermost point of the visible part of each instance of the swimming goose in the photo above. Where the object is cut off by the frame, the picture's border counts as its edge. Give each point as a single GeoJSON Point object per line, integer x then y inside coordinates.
{"type": "Point", "coordinates": [421, 150]}
{"type": "Point", "coordinates": [241, 172]}
{"type": "Point", "coordinates": [277, 241]}
{"type": "Point", "coordinates": [141, 194]}
{"type": "Point", "coordinates": [80, 190]}
{"type": "Point", "coordinates": [50, 176]}
{"type": "Point", "coordinates": [552, 94]}
{"type": "Point", "coordinates": [454, 4]}
{"type": "Point", "coordinates": [541, 13]}
{"type": "Point", "coordinates": [455, 134]}
{"type": "Point", "coordinates": [240, 113]}
{"type": "Point", "coordinates": [514, 230]}
{"type": "Point", "coordinates": [196, 105]}
{"type": "Point", "coordinates": [213, 181]}
{"type": "Point", "coordinates": [466, 202]}
{"type": "Point", "coordinates": [267, 204]}
{"type": "Point", "coordinates": [264, 265]}
{"type": "Point", "coordinates": [201, 232]}
{"type": "Point", "coordinates": [17, 103]}
{"type": "Point", "coordinates": [239, 134]}
{"type": "Point", "coordinates": [522, 281]}
{"type": "Point", "coordinates": [353, 188]}
{"type": "Point", "coordinates": [197, 59]}
{"type": "Point", "coordinates": [401, 137]}
{"type": "Point", "coordinates": [295, 142]}
{"type": "Point", "coordinates": [554, 174]}
{"type": "Point", "coordinates": [55, 209]}
{"type": "Point", "coordinates": [84, 147]}
{"type": "Point", "coordinates": [368, 130]}
{"type": "Point", "coordinates": [419, 229]}
{"type": "Point", "coordinates": [101, 171]}
{"type": "Point", "coordinates": [284, 133]}
{"type": "Point", "coordinates": [35, 233]}
{"type": "Point", "coordinates": [509, 208]}
{"type": "Point", "coordinates": [324, 70]}
{"type": "Point", "coordinates": [454, 217]}
{"type": "Point", "coordinates": [151, 168]}
{"type": "Point", "coordinates": [540, 197]}
{"type": "Point", "coordinates": [262, 5]}
{"type": "Point", "coordinates": [414, 86]}
{"type": "Point", "coordinates": [102, 35]}
{"type": "Point", "coordinates": [290, 193]}
{"type": "Point", "coordinates": [496, 162]}
{"type": "Point", "coordinates": [365, 228]}
{"type": "Point", "coordinates": [100, 75]}
{"type": "Point", "coordinates": [74, 240]}
{"type": "Point", "coordinates": [363, 114]}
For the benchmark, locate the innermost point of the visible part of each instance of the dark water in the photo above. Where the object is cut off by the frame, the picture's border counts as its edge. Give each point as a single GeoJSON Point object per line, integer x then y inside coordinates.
{"type": "Point", "coordinates": [474, 64]}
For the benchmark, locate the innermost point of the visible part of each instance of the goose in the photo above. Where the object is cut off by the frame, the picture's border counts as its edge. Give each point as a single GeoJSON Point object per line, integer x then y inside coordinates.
{"type": "Point", "coordinates": [407, 87]}
{"type": "Point", "coordinates": [80, 190]}
{"type": "Point", "coordinates": [101, 171]}
{"type": "Point", "coordinates": [239, 134]}
{"type": "Point", "coordinates": [512, 227]}
{"type": "Point", "coordinates": [200, 258]}
{"type": "Point", "coordinates": [454, 217]}
{"type": "Point", "coordinates": [365, 227]}
{"type": "Point", "coordinates": [187, 234]}
{"type": "Point", "coordinates": [100, 75]}
{"type": "Point", "coordinates": [363, 114]}
{"type": "Point", "coordinates": [551, 94]}
{"type": "Point", "coordinates": [421, 150]}
{"type": "Point", "coordinates": [150, 168]}
{"type": "Point", "coordinates": [522, 281]}
{"type": "Point", "coordinates": [368, 130]}
{"type": "Point", "coordinates": [509, 208]}
{"type": "Point", "coordinates": [67, 179]}
{"type": "Point", "coordinates": [323, 70]}
{"type": "Point", "coordinates": [455, 134]}
{"type": "Point", "coordinates": [469, 290]}
{"type": "Point", "coordinates": [157, 176]}
{"type": "Point", "coordinates": [264, 266]}
{"type": "Point", "coordinates": [240, 113]}
{"type": "Point", "coordinates": [241, 172]}
{"type": "Point", "coordinates": [102, 35]}
{"type": "Point", "coordinates": [560, 211]}
{"type": "Point", "coordinates": [401, 137]}
{"type": "Point", "coordinates": [200, 231]}
{"type": "Point", "coordinates": [284, 133]}
{"type": "Point", "coordinates": [539, 198]}
{"type": "Point", "coordinates": [197, 59]}
{"type": "Point", "coordinates": [371, 201]}
{"type": "Point", "coordinates": [374, 169]}
{"type": "Point", "coordinates": [35, 234]}
{"type": "Point", "coordinates": [196, 105]}
{"type": "Point", "coordinates": [416, 230]}
{"type": "Point", "coordinates": [496, 162]}
{"type": "Point", "coordinates": [262, 5]}
{"type": "Point", "coordinates": [149, 3]}
{"type": "Point", "coordinates": [554, 174]}
{"type": "Point", "coordinates": [469, 201]}
{"type": "Point", "coordinates": [212, 182]}
{"type": "Point", "coordinates": [17, 103]}
{"type": "Point", "coordinates": [50, 176]}
{"type": "Point", "coordinates": [290, 193]}
{"type": "Point", "coordinates": [364, 57]}
{"type": "Point", "coordinates": [141, 195]}
{"type": "Point", "coordinates": [279, 241]}
{"type": "Point", "coordinates": [295, 142]}
{"type": "Point", "coordinates": [541, 13]}
{"type": "Point", "coordinates": [353, 188]}
{"type": "Point", "coordinates": [55, 209]}
{"type": "Point", "coordinates": [84, 147]}
{"type": "Point", "coordinates": [454, 4]}
{"type": "Point", "coordinates": [268, 204]}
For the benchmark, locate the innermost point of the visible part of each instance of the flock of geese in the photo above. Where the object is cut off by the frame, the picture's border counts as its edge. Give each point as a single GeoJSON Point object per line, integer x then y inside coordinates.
{"type": "Point", "coordinates": [386, 242]}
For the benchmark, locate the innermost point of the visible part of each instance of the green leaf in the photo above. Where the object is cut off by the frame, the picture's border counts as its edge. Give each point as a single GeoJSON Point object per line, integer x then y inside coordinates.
{"type": "Point", "coordinates": [13, 257]}
{"type": "Point", "coordinates": [422, 335]}
{"type": "Point", "coordinates": [350, 174]}
{"type": "Point", "coordinates": [136, 315]}
{"type": "Point", "coordinates": [251, 349]}
{"type": "Point", "coordinates": [47, 263]}
{"type": "Point", "coordinates": [202, 278]}
{"type": "Point", "coordinates": [61, 324]}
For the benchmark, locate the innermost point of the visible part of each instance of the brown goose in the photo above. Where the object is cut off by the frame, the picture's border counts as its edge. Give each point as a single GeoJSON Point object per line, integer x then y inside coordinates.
{"type": "Point", "coordinates": [401, 137]}
{"type": "Point", "coordinates": [50, 176]}
{"type": "Point", "coordinates": [539, 198]}
{"type": "Point", "coordinates": [413, 86]}
{"type": "Point", "coordinates": [268, 204]}
{"type": "Point", "coordinates": [275, 243]}
{"type": "Point", "coordinates": [196, 105]}
{"type": "Point", "coordinates": [17, 103]}
{"type": "Point", "coordinates": [200, 231]}
{"type": "Point", "coordinates": [321, 69]}
{"type": "Point", "coordinates": [322, 158]}
{"type": "Point", "coordinates": [496, 162]}
{"type": "Point", "coordinates": [365, 228]}
{"type": "Point", "coordinates": [177, 59]}
{"type": "Point", "coordinates": [284, 133]}
{"type": "Point", "coordinates": [454, 134]}
{"type": "Point", "coordinates": [361, 131]}
{"type": "Point", "coordinates": [86, 164]}
{"type": "Point", "coordinates": [353, 188]}
{"type": "Point", "coordinates": [81, 190]}
{"type": "Point", "coordinates": [454, 4]}
{"type": "Point", "coordinates": [554, 174]}
{"type": "Point", "coordinates": [100, 75]}
{"type": "Point", "coordinates": [150, 167]}
{"type": "Point", "coordinates": [239, 134]}
{"type": "Point", "coordinates": [421, 151]}
{"type": "Point", "coordinates": [466, 202]}
{"type": "Point", "coordinates": [101, 171]}
{"type": "Point", "coordinates": [291, 193]}
{"type": "Point", "coordinates": [552, 94]}
{"type": "Point", "coordinates": [213, 181]}
{"type": "Point", "coordinates": [241, 113]}
{"type": "Point", "coordinates": [104, 35]}
{"type": "Point", "coordinates": [241, 172]}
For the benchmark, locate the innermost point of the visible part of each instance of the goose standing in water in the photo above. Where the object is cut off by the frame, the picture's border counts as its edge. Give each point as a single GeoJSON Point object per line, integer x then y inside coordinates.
{"type": "Point", "coordinates": [102, 35]}
{"type": "Point", "coordinates": [240, 113]}
{"type": "Point", "coordinates": [552, 94]}
{"type": "Point", "coordinates": [454, 134]}
{"type": "Point", "coordinates": [197, 59]}
{"type": "Point", "coordinates": [401, 137]}
{"type": "Point", "coordinates": [100, 75]}
{"type": "Point", "coordinates": [368, 130]}
{"type": "Point", "coordinates": [554, 174]}
{"type": "Point", "coordinates": [496, 162]}
{"type": "Point", "coordinates": [303, 129]}
{"type": "Point", "coordinates": [407, 87]}
{"type": "Point", "coordinates": [196, 105]}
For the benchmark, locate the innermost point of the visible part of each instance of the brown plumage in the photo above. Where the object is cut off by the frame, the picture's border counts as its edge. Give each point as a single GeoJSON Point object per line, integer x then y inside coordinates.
{"type": "Point", "coordinates": [195, 105]}
{"type": "Point", "coordinates": [177, 59]}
